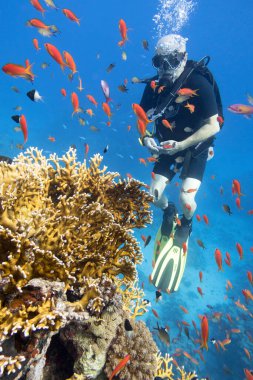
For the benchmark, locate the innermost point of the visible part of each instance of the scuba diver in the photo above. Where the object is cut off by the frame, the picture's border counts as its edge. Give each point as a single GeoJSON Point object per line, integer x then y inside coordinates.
{"type": "Point", "coordinates": [184, 103]}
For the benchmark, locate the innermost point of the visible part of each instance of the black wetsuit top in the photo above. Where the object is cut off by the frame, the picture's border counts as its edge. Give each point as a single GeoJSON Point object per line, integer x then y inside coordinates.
{"type": "Point", "coordinates": [179, 116]}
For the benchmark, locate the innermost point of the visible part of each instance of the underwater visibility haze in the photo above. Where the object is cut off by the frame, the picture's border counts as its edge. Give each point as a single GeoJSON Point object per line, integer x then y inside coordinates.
{"type": "Point", "coordinates": [57, 120]}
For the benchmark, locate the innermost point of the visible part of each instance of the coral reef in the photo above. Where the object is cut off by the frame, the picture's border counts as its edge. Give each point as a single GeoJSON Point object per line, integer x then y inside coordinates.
{"type": "Point", "coordinates": [65, 236]}
{"type": "Point", "coordinates": [140, 346]}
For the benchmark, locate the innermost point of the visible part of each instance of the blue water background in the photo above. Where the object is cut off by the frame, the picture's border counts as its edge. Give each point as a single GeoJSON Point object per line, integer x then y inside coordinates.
{"type": "Point", "coordinates": [221, 29]}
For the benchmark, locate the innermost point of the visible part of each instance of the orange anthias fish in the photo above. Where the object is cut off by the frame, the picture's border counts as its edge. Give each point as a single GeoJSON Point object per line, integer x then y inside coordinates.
{"type": "Point", "coordinates": [236, 187]}
{"type": "Point", "coordinates": [107, 109]}
{"type": "Point", "coordinates": [71, 16]}
{"type": "Point", "coordinates": [248, 374]}
{"type": "Point", "coordinates": [45, 30]}
{"type": "Point", "coordinates": [123, 32]}
{"type": "Point", "coordinates": [204, 332]}
{"type": "Point", "coordinates": [140, 113]}
{"type": "Point", "coordinates": [38, 6]}
{"type": "Point", "coordinates": [70, 61]}
{"type": "Point", "coordinates": [184, 309]}
{"type": "Point", "coordinates": [167, 124]}
{"type": "Point", "coordinates": [120, 366]}
{"type": "Point", "coordinates": [51, 138]}
{"type": "Point", "coordinates": [63, 92]}
{"type": "Point", "coordinates": [36, 44]}
{"type": "Point", "coordinates": [239, 250]}
{"type": "Point", "coordinates": [187, 92]}
{"type": "Point", "coordinates": [23, 125]}
{"type": "Point", "coordinates": [250, 277]}
{"type": "Point", "coordinates": [86, 149]}
{"type": "Point", "coordinates": [18, 71]}
{"type": "Point", "coordinates": [218, 258]}
{"type": "Point", "coordinates": [241, 109]}
{"type": "Point", "coordinates": [190, 107]}
{"type": "Point", "coordinates": [75, 103]}
{"type": "Point", "coordinates": [92, 100]}
{"type": "Point", "coordinates": [205, 219]}
{"type": "Point", "coordinates": [55, 54]}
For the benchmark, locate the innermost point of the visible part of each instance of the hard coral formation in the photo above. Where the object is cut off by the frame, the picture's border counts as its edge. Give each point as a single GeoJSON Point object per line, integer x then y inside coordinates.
{"type": "Point", "coordinates": [141, 347]}
{"type": "Point", "coordinates": [63, 222]}
{"type": "Point", "coordinates": [165, 369]}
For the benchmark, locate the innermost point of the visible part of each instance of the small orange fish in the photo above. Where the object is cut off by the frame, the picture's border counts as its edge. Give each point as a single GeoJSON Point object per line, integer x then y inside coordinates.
{"type": "Point", "coordinates": [38, 6]}
{"type": "Point", "coordinates": [142, 161]}
{"type": "Point", "coordinates": [92, 100]}
{"type": "Point", "coordinates": [198, 217]}
{"type": "Point", "coordinates": [129, 175]}
{"type": "Point", "coordinates": [155, 313]}
{"type": "Point", "coordinates": [200, 276]}
{"type": "Point", "coordinates": [250, 277]}
{"type": "Point", "coordinates": [190, 107]}
{"type": "Point", "coordinates": [23, 125]}
{"type": "Point", "coordinates": [153, 84]}
{"type": "Point", "coordinates": [204, 332]}
{"type": "Point", "coordinates": [236, 187]}
{"type": "Point", "coordinates": [205, 219]}
{"type": "Point", "coordinates": [200, 291]}
{"type": "Point", "coordinates": [248, 374]}
{"type": "Point", "coordinates": [247, 353]}
{"type": "Point", "coordinates": [120, 366]}
{"type": "Point", "coordinates": [75, 103]}
{"type": "Point", "coordinates": [90, 112]}
{"type": "Point", "coordinates": [71, 16]}
{"type": "Point", "coordinates": [166, 124]}
{"type": "Point", "coordinates": [128, 128]}
{"type": "Point", "coordinates": [239, 250]}
{"type": "Point", "coordinates": [187, 92]}
{"type": "Point", "coordinates": [19, 71]}
{"type": "Point", "coordinates": [184, 246]}
{"type": "Point", "coordinates": [63, 92]}
{"type": "Point", "coordinates": [189, 191]}
{"type": "Point", "coordinates": [52, 139]}
{"type": "Point", "coordinates": [153, 175]}
{"type": "Point", "coordinates": [238, 203]}
{"type": "Point", "coordinates": [86, 149]}
{"type": "Point", "coordinates": [152, 159]}
{"type": "Point", "coordinates": [70, 61]}
{"type": "Point", "coordinates": [107, 109]}
{"type": "Point", "coordinates": [236, 331]}
{"type": "Point", "coordinates": [140, 113]}
{"type": "Point", "coordinates": [36, 44]}
{"type": "Point", "coordinates": [123, 32]}
{"type": "Point", "coordinates": [218, 258]}
{"type": "Point", "coordinates": [55, 54]}
{"type": "Point", "coordinates": [184, 309]}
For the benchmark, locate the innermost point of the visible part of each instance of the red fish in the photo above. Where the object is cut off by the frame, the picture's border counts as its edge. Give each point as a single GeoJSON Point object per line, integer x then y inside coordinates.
{"type": "Point", "coordinates": [18, 71]}
{"type": "Point", "coordinates": [71, 16]}
{"type": "Point", "coordinates": [200, 276]}
{"type": "Point", "coordinates": [198, 217]}
{"type": "Point", "coordinates": [63, 92]}
{"type": "Point", "coordinates": [155, 313]}
{"type": "Point", "coordinates": [70, 61]}
{"type": "Point", "coordinates": [119, 367]}
{"type": "Point", "coordinates": [23, 125]}
{"type": "Point", "coordinates": [75, 103]}
{"type": "Point", "coordinates": [204, 332]}
{"type": "Point", "coordinates": [55, 54]}
{"type": "Point", "coordinates": [241, 109]}
{"type": "Point", "coordinates": [239, 250]}
{"type": "Point", "coordinates": [200, 291]}
{"type": "Point", "coordinates": [107, 109]}
{"type": "Point", "coordinates": [218, 258]}
{"type": "Point", "coordinates": [92, 100]}
{"type": "Point", "coordinates": [86, 149]}
{"type": "Point", "coordinates": [184, 246]}
{"type": "Point", "coordinates": [250, 277]}
{"type": "Point", "coordinates": [38, 6]}
{"type": "Point", "coordinates": [238, 203]}
{"type": "Point", "coordinates": [123, 32]}
{"type": "Point", "coordinates": [236, 187]}
{"type": "Point", "coordinates": [205, 219]}
{"type": "Point", "coordinates": [248, 374]}
{"type": "Point", "coordinates": [140, 113]}
{"type": "Point", "coordinates": [36, 44]}
{"type": "Point", "coordinates": [187, 92]}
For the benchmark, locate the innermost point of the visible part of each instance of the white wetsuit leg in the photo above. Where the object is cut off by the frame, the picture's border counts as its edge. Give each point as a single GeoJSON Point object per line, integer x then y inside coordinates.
{"type": "Point", "coordinates": [157, 188]}
{"type": "Point", "coordinates": [188, 192]}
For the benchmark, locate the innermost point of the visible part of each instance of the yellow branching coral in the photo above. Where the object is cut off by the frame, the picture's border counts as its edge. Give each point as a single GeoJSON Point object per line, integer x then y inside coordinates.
{"type": "Point", "coordinates": [61, 220]}
{"type": "Point", "coordinates": [10, 364]}
{"type": "Point", "coordinates": [165, 369]}
{"type": "Point", "coordinates": [132, 297]}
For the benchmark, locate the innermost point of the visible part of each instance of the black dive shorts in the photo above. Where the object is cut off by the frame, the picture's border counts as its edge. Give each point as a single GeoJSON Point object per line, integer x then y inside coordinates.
{"type": "Point", "coordinates": [167, 167]}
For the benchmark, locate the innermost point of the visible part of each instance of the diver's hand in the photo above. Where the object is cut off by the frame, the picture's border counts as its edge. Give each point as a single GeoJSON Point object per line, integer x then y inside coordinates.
{"type": "Point", "coordinates": [171, 147]}
{"type": "Point", "coordinates": [152, 146]}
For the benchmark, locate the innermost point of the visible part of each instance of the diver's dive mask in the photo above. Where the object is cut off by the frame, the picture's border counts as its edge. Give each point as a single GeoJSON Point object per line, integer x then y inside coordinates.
{"type": "Point", "coordinates": [169, 61]}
